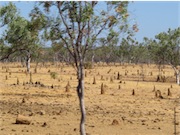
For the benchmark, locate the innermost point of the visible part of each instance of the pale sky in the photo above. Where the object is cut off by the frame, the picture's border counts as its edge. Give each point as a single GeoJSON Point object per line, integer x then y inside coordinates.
{"type": "Point", "coordinates": [152, 17]}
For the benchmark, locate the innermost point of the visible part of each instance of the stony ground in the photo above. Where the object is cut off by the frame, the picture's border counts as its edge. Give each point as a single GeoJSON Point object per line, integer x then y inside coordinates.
{"type": "Point", "coordinates": [117, 112]}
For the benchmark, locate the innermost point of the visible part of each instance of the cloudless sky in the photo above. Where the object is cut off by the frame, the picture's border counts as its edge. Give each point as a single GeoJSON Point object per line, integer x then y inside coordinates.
{"type": "Point", "coordinates": [151, 17]}
{"type": "Point", "coordinates": [155, 17]}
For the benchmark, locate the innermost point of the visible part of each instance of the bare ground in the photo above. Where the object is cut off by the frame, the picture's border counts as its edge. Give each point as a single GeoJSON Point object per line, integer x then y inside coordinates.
{"type": "Point", "coordinates": [117, 112]}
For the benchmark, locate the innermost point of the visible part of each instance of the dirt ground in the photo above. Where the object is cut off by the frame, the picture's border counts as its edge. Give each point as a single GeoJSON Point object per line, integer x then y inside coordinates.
{"type": "Point", "coordinates": [53, 111]}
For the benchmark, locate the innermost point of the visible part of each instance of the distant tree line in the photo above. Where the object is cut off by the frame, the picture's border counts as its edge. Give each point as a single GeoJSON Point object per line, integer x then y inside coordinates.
{"type": "Point", "coordinates": [164, 49]}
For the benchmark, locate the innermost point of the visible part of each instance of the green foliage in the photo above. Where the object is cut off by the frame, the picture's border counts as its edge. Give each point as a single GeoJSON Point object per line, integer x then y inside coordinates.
{"type": "Point", "coordinates": [54, 75]}
{"type": "Point", "coordinates": [21, 37]}
{"type": "Point", "coordinates": [88, 65]}
{"type": "Point", "coordinates": [166, 49]}
{"type": "Point", "coordinates": [7, 14]}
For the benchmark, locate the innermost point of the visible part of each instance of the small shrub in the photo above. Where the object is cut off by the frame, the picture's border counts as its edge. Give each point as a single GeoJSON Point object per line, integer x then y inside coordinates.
{"type": "Point", "coordinates": [53, 75]}
{"type": "Point", "coordinates": [88, 65]}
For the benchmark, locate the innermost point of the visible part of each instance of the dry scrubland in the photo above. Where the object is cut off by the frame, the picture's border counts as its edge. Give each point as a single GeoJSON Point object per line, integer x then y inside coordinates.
{"type": "Point", "coordinates": [55, 111]}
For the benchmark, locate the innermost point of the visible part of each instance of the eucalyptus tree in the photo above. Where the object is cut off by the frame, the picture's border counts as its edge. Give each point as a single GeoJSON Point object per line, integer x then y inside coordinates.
{"type": "Point", "coordinates": [7, 14]}
{"type": "Point", "coordinates": [21, 35]}
{"type": "Point", "coordinates": [60, 53]}
{"type": "Point", "coordinates": [155, 53]}
{"type": "Point", "coordinates": [108, 46]}
{"type": "Point", "coordinates": [79, 24]}
{"type": "Point", "coordinates": [125, 51]}
{"type": "Point", "coordinates": [141, 53]}
{"type": "Point", "coordinates": [168, 51]}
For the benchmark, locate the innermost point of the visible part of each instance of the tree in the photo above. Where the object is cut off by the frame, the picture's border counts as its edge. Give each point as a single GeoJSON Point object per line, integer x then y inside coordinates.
{"type": "Point", "coordinates": [169, 49]}
{"type": "Point", "coordinates": [126, 49]}
{"type": "Point", "coordinates": [165, 49]}
{"type": "Point", "coordinates": [60, 53]}
{"type": "Point", "coordinates": [21, 35]}
{"type": "Point", "coordinates": [140, 53]}
{"type": "Point", "coordinates": [108, 45]}
{"type": "Point", "coordinates": [79, 25]}
{"type": "Point", "coordinates": [7, 14]}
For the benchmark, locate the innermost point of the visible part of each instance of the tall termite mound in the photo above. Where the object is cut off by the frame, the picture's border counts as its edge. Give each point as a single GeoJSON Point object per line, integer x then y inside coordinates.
{"type": "Point", "coordinates": [102, 89]}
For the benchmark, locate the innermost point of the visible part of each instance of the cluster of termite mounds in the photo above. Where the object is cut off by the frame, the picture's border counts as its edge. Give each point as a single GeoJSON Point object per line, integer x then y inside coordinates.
{"type": "Point", "coordinates": [104, 87]}
{"type": "Point", "coordinates": [159, 95]}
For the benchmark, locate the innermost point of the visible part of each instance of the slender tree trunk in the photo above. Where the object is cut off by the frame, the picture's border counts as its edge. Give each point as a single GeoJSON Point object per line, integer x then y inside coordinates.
{"type": "Point", "coordinates": [177, 72]}
{"type": "Point", "coordinates": [28, 61]}
{"type": "Point", "coordinates": [92, 60]}
{"type": "Point", "coordinates": [177, 78]}
{"type": "Point", "coordinates": [80, 92]}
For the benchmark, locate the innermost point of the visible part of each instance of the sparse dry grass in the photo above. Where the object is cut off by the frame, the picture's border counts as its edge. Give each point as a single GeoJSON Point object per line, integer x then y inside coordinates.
{"type": "Point", "coordinates": [141, 113]}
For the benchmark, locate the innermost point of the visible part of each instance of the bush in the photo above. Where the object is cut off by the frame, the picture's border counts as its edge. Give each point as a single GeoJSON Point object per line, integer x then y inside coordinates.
{"type": "Point", "coordinates": [88, 65]}
{"type": "Point", "coordinates": [53, 75]}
